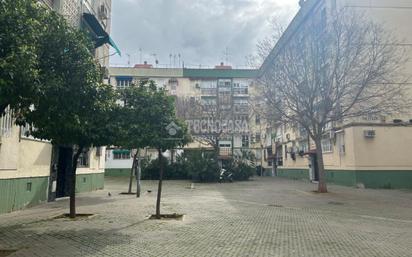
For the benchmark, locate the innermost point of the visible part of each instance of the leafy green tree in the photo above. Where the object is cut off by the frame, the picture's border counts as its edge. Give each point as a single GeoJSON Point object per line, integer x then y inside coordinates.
{"type": "Point", "coordinates": [136, 123]}
{"type": "Point", "coordinates": [21, 28]}
{"type": "Point", "coordinates": [162, 130]}
{"type": "Point", "coordinates": [73, 107]}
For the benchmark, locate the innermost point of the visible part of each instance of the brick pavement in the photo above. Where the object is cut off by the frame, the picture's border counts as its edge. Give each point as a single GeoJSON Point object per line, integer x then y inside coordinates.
{"type": "Point", "coordinates": [264, 217]}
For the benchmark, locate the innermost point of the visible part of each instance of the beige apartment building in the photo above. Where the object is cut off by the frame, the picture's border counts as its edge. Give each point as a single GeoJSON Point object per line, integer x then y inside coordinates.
{"type": "Point", "coordinates": [368, 151]}
{"type": "Point", "coordinates": [216, 94]}
{"type": "Point", "coordinates": [28, 173]}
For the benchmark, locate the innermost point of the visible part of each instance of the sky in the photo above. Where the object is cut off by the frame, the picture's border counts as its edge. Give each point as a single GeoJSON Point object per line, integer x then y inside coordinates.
{"type": "Point", "coordinates": [202, 32]}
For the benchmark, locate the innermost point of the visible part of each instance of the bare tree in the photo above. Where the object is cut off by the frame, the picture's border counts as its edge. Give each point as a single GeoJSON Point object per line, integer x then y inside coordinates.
{"type": "Point", "coordinates": [265, 45]}
{"type": "Point", "coordinates": [205, 120]}
{"type": "Point", "coordinates": [331, 71]}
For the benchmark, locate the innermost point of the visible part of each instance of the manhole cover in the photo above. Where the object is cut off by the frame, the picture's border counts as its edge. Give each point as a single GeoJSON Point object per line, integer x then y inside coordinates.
{"type": "Point", "coordinates": [4, 253]}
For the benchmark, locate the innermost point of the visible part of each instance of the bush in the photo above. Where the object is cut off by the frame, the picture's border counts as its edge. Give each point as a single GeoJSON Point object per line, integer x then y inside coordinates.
{"type": "Point", "coordinates": [242, 166]}
{"type": "Point", "coordinates": [202, 166]}
{"type": "Point", "coordinates": [197, 165]}
{"type": "Point", "coordinates": [242, 172]}
{"type": "Point", "coordinates": [174, 171]}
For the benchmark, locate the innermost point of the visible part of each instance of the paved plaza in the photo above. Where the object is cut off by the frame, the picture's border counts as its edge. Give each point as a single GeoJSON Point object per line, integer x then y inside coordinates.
{"type": "Point", "coordinates": [263, 217]}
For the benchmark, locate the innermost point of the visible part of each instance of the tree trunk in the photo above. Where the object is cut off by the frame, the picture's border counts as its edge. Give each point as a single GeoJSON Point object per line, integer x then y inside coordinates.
{"type": "Point", "coordinates": [159, 189]}
{"type": "Point", "coordinates": [132, 174]}
{"type": "Point", "coordinates": [172, 156]}
{"type": "Point", "coordinates": [72, 214]}
{"type": "Point", "coordinates": [138, 175]}
{"type": "Point", "coordinates": [322, 188]}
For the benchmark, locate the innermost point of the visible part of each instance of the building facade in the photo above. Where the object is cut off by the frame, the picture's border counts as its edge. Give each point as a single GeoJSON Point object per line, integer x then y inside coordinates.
{"type": "Point", "coordinates": [215, 103]}
{"type": "Point", "coordinates": [32, 170]}
{"type": "Point", "coordinates": [369, 151]}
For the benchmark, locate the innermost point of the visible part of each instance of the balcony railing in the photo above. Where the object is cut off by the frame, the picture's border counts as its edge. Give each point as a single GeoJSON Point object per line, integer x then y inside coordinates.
{"type": "Point", "coordinates": [242, 109]}
{"type": "Point", "coordinates": [208, 91]}
{"type": "Point", "coordinates": [225, 151]}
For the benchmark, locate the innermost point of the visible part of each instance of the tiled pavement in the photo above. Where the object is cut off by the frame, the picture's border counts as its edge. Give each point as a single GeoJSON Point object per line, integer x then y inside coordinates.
{"type": "Point", "coordinates": [264, 217]}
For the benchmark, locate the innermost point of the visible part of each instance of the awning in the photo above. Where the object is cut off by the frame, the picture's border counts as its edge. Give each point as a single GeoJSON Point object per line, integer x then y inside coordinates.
{"type": "Point", "coordinates": [100, 35]}
{"type": "Point", "coordinates": [121, 151]}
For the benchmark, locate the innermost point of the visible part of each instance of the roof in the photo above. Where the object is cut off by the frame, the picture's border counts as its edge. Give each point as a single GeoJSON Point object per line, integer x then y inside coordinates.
{"type": "Point", "coordinates": [219, 73]}
{"type": "Point", "coordinates": [146, 72]}
{"type": "Point", "coordinates": [182, 73]}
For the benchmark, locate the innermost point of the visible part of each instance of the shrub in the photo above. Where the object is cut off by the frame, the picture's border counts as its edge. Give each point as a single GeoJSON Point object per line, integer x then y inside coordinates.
{"type": "Point", "coordinates": [242, 172]}
{"type": "Point", "coordinates": [172, 171]}
{"type": "Point", "coordinates": [202, 166]}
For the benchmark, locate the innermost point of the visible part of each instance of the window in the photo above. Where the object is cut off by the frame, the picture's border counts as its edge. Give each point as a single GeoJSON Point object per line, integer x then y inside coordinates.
{"type": "Point", "coordinates": [121, 154]}
{"type": "Point", "coordinates": [208, 101]}
{"type": "Point", "coordinates": [257, 119]}
{"type": "Point", "coordinates": [303, 146]}
{"type": "Point", "coordinates": [302, 132]}
{"type": "Point", "coordinates": [258, 137]}
{"type": "Point", "coordinates": [124, 82]}
{"type": "Point", "coordinates": [245, 141]}
{"type": "Point", "coordinates": [6, 123]}
{"type": "Point", "coordinates": [208, 87]}
{"type": "Point", "coordinates": [83, 160]}
{"type": "Point", "coordinates": [269, 151]}
{"type": "Point", "coordinates": [240, 89]}
{"type": "Point", "coordinates": [225, 83]}
{"type": "Point", "coordinates": [208, 84]}
{"type": "Point", "coordinates": [326, 145]}
{"type": "Point", "coordinates": [29, 186]}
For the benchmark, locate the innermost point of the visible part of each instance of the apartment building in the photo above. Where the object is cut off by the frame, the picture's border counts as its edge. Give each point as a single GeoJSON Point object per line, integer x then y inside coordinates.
{"type": "Point", "coordinates": [215, 103]}
{"type": "Point", "coordinates": [370, 151]}
{"type": "Point", "coordinates": [32, 170]}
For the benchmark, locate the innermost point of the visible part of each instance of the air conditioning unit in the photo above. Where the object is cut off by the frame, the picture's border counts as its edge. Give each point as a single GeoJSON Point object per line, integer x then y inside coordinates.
{"type": "Point", "coordinates": [103, 13]}
{"type": "Point", "coordinates": [369, 133]}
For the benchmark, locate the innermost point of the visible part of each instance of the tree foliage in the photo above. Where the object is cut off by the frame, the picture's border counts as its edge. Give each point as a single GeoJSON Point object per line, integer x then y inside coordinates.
{"type": "Point", "coordinates": [21, 27]}
{"type": "Point", "coordinates": [71, 106]}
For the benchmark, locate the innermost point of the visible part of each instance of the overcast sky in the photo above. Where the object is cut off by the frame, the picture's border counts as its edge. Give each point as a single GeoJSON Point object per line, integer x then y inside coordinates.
{"type": "Point", "coordinates": [199, 30]}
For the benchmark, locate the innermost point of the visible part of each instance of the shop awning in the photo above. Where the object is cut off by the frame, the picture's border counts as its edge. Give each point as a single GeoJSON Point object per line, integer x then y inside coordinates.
{"type": "Point", "coordinates": [100, 35]}
{"type": "Point", "coordinates": [121, 151]}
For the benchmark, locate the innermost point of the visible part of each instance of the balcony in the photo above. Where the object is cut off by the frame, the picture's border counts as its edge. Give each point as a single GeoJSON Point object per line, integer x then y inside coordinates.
{"type": "Point", "coordinates": [241, 92]}
{"type": "Point", "coordinates": [241, 108]}
{"type": "Point", "coordinates": [225, 152]}
{"type": "Point", "coordinates": [208, 92]}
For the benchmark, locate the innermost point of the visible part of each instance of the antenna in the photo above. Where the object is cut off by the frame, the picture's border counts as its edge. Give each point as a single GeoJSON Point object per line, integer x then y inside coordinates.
{"type": "Point", "coordinates": [128, 60]}
{"type": "Point", "coordinates": [140, 55]}
{"type": "Point", "coordinates": [154, 56]}
{"type": "Point", "coordinates": [226, 53]}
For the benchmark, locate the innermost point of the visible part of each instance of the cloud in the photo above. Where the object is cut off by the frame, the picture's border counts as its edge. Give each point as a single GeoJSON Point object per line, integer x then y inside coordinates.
{"type": "Point", "coordinates": [200, 30]}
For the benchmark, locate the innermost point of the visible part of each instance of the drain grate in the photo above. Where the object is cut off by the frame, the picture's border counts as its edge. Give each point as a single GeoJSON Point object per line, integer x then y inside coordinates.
{"type": "Point", "coordinates": [4, 253]}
